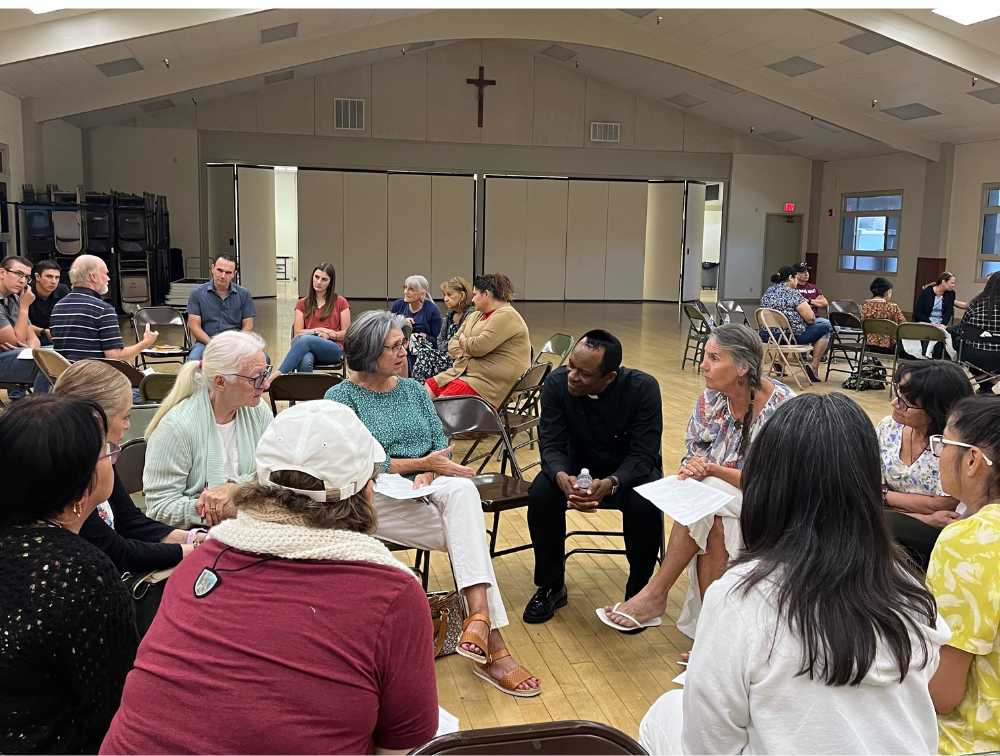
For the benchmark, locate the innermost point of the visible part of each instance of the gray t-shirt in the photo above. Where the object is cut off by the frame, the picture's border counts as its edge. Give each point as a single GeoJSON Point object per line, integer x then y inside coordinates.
{"type": "Point", "coordinates": [10, 308]}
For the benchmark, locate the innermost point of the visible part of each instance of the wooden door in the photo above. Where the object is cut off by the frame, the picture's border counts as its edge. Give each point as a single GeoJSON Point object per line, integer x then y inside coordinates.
{"type": "Point", "coordinates": [928, 269]}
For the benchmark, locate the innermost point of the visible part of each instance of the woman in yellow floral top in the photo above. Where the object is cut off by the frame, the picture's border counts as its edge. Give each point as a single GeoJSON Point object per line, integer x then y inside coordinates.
{"type": "Point", "coordinates": [881, 306]}
{"type": "Point", "coordinates": [964, 576]}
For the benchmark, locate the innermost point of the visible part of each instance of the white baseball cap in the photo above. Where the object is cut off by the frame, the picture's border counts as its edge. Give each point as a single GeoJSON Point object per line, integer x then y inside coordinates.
{"type": "Point", "coordinates": [324, 439]}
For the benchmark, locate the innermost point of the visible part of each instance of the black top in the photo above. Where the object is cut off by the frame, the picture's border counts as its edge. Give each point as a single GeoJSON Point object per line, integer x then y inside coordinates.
{"type": "Point", "coordinates": [41, 309]}
{"type": "Point", "coordinates": [67, 640]}
{"type": "Point", "coordinates": [618, 433]}
{"type": "Point", "coordinates": [134, 543]}
{"type": "Point", "coordinates": [925, 303]}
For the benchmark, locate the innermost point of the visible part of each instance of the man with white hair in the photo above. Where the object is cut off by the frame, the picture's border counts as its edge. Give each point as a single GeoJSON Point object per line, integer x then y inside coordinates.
{"type": "Point", "coordinates": [83, 324]}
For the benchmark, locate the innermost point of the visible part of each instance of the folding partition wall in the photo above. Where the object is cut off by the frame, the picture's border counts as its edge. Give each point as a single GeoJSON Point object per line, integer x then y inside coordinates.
{"type": "Point", "coordinates": [255, 229]}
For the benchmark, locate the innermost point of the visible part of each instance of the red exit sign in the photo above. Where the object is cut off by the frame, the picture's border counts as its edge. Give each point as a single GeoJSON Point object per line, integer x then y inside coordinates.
{"type": "Point", "coordinates": [789, 207]}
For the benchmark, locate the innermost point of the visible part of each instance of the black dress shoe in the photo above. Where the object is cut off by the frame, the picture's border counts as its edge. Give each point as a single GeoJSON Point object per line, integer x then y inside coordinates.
{"type": "Point", "coordinates": [542, 606]}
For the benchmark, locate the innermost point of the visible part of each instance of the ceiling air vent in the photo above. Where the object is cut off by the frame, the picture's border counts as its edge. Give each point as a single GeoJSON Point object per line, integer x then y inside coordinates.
{"type": "Point", "coordinates": [911, 111]}
{"type": "Point", "coordinates": [637, 12]}
{"type": "Point", "coordinates": [278, 33]}
{"type": "Point", "coordinates": [605, 132]}
{"type": "Point", "coordinates": [156, 105]}
{"type": "Point", "coordinates": [348, 114]}
{"type": "Point", "coordinates": [119, 67]}
{"type": "Point", "coordinates": [992, 95]}
{"type": "Point", "coordinates": [794, 66]}
{"type": "Point", "coordinates": [686, 100]}
{"type": "Point", "coordinates": [560, 53]}
{"type": "Point", "coordinates": [868, 43]}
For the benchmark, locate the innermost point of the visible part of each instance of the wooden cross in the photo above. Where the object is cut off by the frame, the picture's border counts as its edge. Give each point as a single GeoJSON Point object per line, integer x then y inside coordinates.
{"type": "Point", "coordinates": [481, 85]}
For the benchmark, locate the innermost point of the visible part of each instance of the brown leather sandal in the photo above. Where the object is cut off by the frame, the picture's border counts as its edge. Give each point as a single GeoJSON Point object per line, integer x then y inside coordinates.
{"type": "Point", "coordinates": [477, 639]}
{"type": "Point", "coordinates": [509, 682]}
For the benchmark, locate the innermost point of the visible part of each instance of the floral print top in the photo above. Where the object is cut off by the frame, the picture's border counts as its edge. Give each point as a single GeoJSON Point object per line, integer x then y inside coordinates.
{"type": "Point", "coordinates": [922, 477]}
{"type": "Point", "coordinates": [963, 575]}
{"type": "Point", "coordinates": [713, 432]}
{"type": "Point", "coordinates": [785, 299]}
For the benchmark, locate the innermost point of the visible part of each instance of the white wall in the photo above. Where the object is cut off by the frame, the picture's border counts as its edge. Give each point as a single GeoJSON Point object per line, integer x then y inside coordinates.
{"type": "Point", "coordinates": [255, 188]}
{"type": "Point", "coordinates": [12, 135]}
{"type": "Point", "coordinates": [890, 173]}
{"type": "Point", "coordinates": [286, 217]}
{"type": "Point", "coordinates": [664, 231]}
{"type": "Point", "coordinates": [163, 162]}
{"type": "Point", "coordinates": [975, 164]}
{"type": "Point", "coordinates": [62, 154]}
{"type": "Point", "coordinates": [760, 184]}
{"type": "Point", "coordinates": [712, 241]}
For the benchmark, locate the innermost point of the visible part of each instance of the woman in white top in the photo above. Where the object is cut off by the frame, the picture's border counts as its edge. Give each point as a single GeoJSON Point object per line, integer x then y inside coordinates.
{"type": "Point", "coordinates": [818, 639]}
{"type": "Point", "coordinates": [201, 441]}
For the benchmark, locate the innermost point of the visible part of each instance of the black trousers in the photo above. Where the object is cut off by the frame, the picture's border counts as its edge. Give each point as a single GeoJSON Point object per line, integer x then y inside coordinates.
{"type": "Point", "coordinates": [642, 525]}
{"type": "Point", "coordinates": [918, 538]}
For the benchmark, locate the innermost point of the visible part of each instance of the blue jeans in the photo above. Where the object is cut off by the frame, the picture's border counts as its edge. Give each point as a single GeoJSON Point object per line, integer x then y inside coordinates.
{"type": "Point", "coordinates": [196, 351]}
{"type": "Point", "coordinates": [306, 350]}
{"type": "Point", "coordinates": [18, 371]}
{"type": "Point", "coordinates": [813, 333]}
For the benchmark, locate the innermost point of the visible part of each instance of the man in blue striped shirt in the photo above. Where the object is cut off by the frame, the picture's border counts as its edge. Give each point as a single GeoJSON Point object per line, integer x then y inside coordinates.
{"type": "Point", "coordinates": [83, 325]}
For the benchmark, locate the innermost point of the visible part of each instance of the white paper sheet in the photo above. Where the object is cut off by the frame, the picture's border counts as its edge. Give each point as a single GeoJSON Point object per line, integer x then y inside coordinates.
{"type": "Point", "coordinates": [447, 722]}
{"type": "Point", "coordinates": [397, 487]}
{"type": "Point", "coordinates": [680, 679]}
{"type": "Point", "coordinates": [25, 354]}
{"type": "Point", "coordinates": [686, 501]}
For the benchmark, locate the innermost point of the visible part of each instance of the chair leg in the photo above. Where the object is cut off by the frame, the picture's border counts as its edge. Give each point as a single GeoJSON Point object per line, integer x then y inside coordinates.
{"type": "Point", "coordinates": [493, 534]}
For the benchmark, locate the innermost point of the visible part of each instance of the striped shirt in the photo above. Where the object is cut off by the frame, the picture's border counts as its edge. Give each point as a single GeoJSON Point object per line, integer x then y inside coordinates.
{"type": "Point", "coordinates": [84, 325]}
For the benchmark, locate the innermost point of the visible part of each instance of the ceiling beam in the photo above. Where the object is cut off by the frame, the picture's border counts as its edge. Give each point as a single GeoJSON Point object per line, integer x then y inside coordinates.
{"type": "Point", "coordinates": [103, 27]}
{"type": "Point", "coordinates": [585, 27]}
{"type": "Point", "coordinates": [925, 40]}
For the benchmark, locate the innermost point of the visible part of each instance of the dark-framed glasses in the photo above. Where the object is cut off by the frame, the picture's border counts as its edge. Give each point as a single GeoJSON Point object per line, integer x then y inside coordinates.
{"type": "Point", "coordinates": [18, 274]}
{"type": "Point", "coordinates": [256, 381]}
{"type": "Point", "coordinates": [938, 442]}
{"type": "Point", "coordinates": [112, 451]}
{"type": "Point", "coordinates": [399, 346]}
{"type": "Point", "coordinates": [896, 396]}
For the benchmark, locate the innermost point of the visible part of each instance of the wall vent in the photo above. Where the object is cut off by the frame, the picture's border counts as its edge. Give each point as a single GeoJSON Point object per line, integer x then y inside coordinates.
{"type": "Point", "coordinates": [348, 114]}
{"type": "Point", "coordinates": [605, 132]}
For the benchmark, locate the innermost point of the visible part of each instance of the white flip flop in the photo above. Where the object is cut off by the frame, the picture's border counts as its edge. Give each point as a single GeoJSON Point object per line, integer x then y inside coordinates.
{"type": "Point", "coordinates": [639, 626]}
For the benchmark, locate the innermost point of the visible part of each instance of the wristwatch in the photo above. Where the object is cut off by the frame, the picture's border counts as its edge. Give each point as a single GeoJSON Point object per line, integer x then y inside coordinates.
{"type": "Point", "coordinates": [614, 484]}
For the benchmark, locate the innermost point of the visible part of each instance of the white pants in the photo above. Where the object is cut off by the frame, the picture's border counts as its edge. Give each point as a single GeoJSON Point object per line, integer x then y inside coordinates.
{"type": "Point", "coordinates": [660, 730]}
{"type": "Point", "coordinates": [450, 519]}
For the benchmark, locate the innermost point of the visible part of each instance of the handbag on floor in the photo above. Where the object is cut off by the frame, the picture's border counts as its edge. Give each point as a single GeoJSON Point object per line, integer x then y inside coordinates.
{"type": "Point", "coordinates": [147, 592]}
{"type": "Point", "coordinates": [447, 616]}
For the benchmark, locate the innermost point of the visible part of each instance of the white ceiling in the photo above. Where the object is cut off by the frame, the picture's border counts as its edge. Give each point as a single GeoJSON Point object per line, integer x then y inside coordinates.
{"type": "Point", "coordinates": [741, 42]}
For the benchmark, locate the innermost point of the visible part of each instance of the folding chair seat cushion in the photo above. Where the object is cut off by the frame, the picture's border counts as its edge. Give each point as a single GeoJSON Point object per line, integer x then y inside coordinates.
{"type": "Point", "coordinates": [68, 233]}
{"type": "Point", "coordinates": [501, 493]}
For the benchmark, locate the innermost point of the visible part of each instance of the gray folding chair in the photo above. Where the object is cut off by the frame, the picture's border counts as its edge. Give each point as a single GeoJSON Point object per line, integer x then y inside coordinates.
{"type": "Point", "coordinates": [172, 327]}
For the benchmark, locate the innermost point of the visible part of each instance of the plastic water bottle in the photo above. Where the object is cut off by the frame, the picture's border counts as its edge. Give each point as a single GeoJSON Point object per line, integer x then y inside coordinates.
{"type": "Point", "coordinates": [584, 481]}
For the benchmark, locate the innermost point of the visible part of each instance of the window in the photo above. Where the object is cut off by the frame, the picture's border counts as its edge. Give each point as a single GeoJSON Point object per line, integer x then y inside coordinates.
{"type": "Point", "coordinates": [869, 236]}
{"type": "Point", "coordinates": [989, 243]}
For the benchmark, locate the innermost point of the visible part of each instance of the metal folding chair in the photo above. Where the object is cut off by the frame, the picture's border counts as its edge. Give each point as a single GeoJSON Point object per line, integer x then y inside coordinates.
{"type": "Point", "coordinates": [555, 350]}
{"type": "Point", "coordinates": [699, 329]}
{"type": "Point", "coordinates": [131, 372]}
{"type": "Point", "coordinates": [846, 305]}
{"type": "Point", "coordinates": [730, 312]}
{"type": "Point", "coordinates": [300, 387]}
{"type": "Point", "coordinates": [779, 348]}
{"type": "Point", "coordinates": [539, 739]}
{"type": "Point", "coordinates": [845, 341]}
{"type": "Point", "coordinates": [172, 327]}
{"type": "Point", "coordinates": [130, 465]}
{"type": "Point", "coordinates": [154, 387]}
{"type": "Point", "coordinates": [876, 327]}
{"type": "Point", "coordinates": [50, 363]}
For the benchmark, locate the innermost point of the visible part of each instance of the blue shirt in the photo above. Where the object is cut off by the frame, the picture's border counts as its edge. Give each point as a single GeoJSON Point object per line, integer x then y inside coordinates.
{"type": "Point", "coordinates": [217, 314]}
{"type": "Point", "coordinates": [84, 325]}
{"type": "Point", "coordinates": [426, 320]}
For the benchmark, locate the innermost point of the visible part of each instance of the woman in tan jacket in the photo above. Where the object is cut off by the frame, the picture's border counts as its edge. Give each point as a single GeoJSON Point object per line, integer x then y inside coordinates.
{"type": "Point", "coordinates": [492, 348]}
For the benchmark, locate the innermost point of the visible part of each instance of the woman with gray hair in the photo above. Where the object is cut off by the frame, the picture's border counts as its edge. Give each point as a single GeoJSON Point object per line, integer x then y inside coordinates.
{"type": "Point", "coordinates": [417, 307]}
{"type": "Point", "coordinates": [401, 417]}
{"type": "Point", "coordinates": [736, 403]}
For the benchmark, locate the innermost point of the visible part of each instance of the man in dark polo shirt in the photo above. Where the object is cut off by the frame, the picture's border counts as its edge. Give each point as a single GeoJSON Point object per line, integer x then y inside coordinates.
{"type": "Point", "coordinates": [608, 419]}
{"type": "Point", "coordinates": [48, 290]}
{"type": "Point", "coordinates": [83, 325]}
{"type": "Point", "coordinates": [218, 305]}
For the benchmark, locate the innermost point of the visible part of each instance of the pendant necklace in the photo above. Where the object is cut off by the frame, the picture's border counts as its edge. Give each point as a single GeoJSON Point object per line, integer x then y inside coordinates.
{"type": "Point", "coordinates": [209, 578]}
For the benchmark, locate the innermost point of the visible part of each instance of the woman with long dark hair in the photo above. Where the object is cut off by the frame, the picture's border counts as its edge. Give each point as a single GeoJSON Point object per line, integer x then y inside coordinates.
{"type": "Point", "coordinates": [964, 580]}
{"type": "Point", "coordinates": [322, 317]}
{"type": "Point", "coordinates": [818, 639]}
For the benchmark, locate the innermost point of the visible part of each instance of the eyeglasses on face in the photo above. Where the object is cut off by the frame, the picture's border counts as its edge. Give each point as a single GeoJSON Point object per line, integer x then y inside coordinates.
{"type": "Point", "coordinates": [399, 346]}
{"type": "Point", "coordinates": [896, 396]}
{"type": "Point", "coordinates": [112, 452]}
{"type": "Point", "coordinates": [17, 274]}
{"type": "Point", "coordinates": [256, 381]}
{"type": "Point", "coordinates": [938, 442]}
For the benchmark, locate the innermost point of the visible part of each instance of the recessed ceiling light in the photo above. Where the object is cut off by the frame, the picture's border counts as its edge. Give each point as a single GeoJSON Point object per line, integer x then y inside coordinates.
{"type": "Point", "coordinates": [967, 13]}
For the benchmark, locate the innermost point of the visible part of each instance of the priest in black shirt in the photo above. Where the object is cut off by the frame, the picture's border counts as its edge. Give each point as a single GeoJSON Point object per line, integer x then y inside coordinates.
{"type": "Point", "coordinates": [606, 418]}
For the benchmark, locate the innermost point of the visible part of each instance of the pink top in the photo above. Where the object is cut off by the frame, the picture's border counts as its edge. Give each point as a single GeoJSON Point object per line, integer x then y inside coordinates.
{"type": "Point", "coordinates": [315, 321]}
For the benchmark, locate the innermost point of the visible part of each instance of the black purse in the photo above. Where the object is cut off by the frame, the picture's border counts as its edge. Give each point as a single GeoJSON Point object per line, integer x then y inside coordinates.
{"type": "Point", "coordinates": [146, 590]}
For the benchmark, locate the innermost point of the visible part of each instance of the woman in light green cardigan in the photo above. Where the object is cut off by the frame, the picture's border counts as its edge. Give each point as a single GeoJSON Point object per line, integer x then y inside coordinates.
{"type": "Point", "coordinates": [201, 442]}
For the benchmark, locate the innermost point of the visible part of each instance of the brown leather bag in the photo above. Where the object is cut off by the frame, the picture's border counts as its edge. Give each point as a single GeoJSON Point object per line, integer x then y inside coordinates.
{"type": "Point", "coordinates": [447, 616]}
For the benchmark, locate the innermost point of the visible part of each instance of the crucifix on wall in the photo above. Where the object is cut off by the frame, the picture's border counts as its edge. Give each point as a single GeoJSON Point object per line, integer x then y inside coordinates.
{"type": "Point", "coordinates": [481, 83]}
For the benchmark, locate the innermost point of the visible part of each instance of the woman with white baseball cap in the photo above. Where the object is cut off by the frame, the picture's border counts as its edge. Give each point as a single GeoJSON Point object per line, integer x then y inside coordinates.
{"type": "Point", "coordinates": [299, 631]}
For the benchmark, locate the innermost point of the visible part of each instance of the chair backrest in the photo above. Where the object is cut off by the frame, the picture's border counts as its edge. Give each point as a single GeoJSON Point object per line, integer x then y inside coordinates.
{"type": "Point", "coordinates": [522, 394]}
{"type": "Point", "coordinates": [139, 419]}
{"type": "Point", "coordinates": [539, 739]}
{"type": "Point", "coordinates": [473, 416]}
{"type": "Point", "coordinates": [134, 375]}
{"type": "Point", "coordinates": [555, 350]}
{"type": "Point", "coordinates": [846, 305]}
{"type": "Point", "coordinates": [154, 387]}
{"type": "Point", "coordinates": [159, 318]}
{"type": "Point", "coordinates": [921, 332]}
{"type": "Point", "coordinates": [769, 318]}
{"type": "Point", "coordinates": [50, 362]}
{"type": "Point", "coordinates": [697, 318]}
{"type": "Point", "coordinates": [130, 465]}
{"type": "Point", "coordinates": [879, 327]}
{"type": "Point", "coordinates": [300, 387]}
{"type": "Point", "coordinates": [845, 320]}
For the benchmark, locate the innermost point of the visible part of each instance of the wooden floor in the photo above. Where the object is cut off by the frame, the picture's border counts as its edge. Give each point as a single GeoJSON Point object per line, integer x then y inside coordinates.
{"type": "Point", "coordinates": [588, 671]}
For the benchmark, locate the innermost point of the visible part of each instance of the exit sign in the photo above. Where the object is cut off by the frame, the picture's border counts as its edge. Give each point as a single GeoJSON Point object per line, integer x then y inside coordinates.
{"type": "Point", "coordinates": [789, 207]}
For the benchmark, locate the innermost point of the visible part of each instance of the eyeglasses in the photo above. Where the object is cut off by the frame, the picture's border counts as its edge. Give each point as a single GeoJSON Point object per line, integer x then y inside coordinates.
{"type": "Point", "coordinates": [112, 452]}
{"type": "Point", "coordinates": [256, 381]}
{"type": "Point", "coordinates": [398, 347]}
{"type": "Point", "coordinates": [17, 274]}
{"type": "Point", "coordinates": [895, 395]}
{"type": "Point", "coordinates": [938, 442]}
